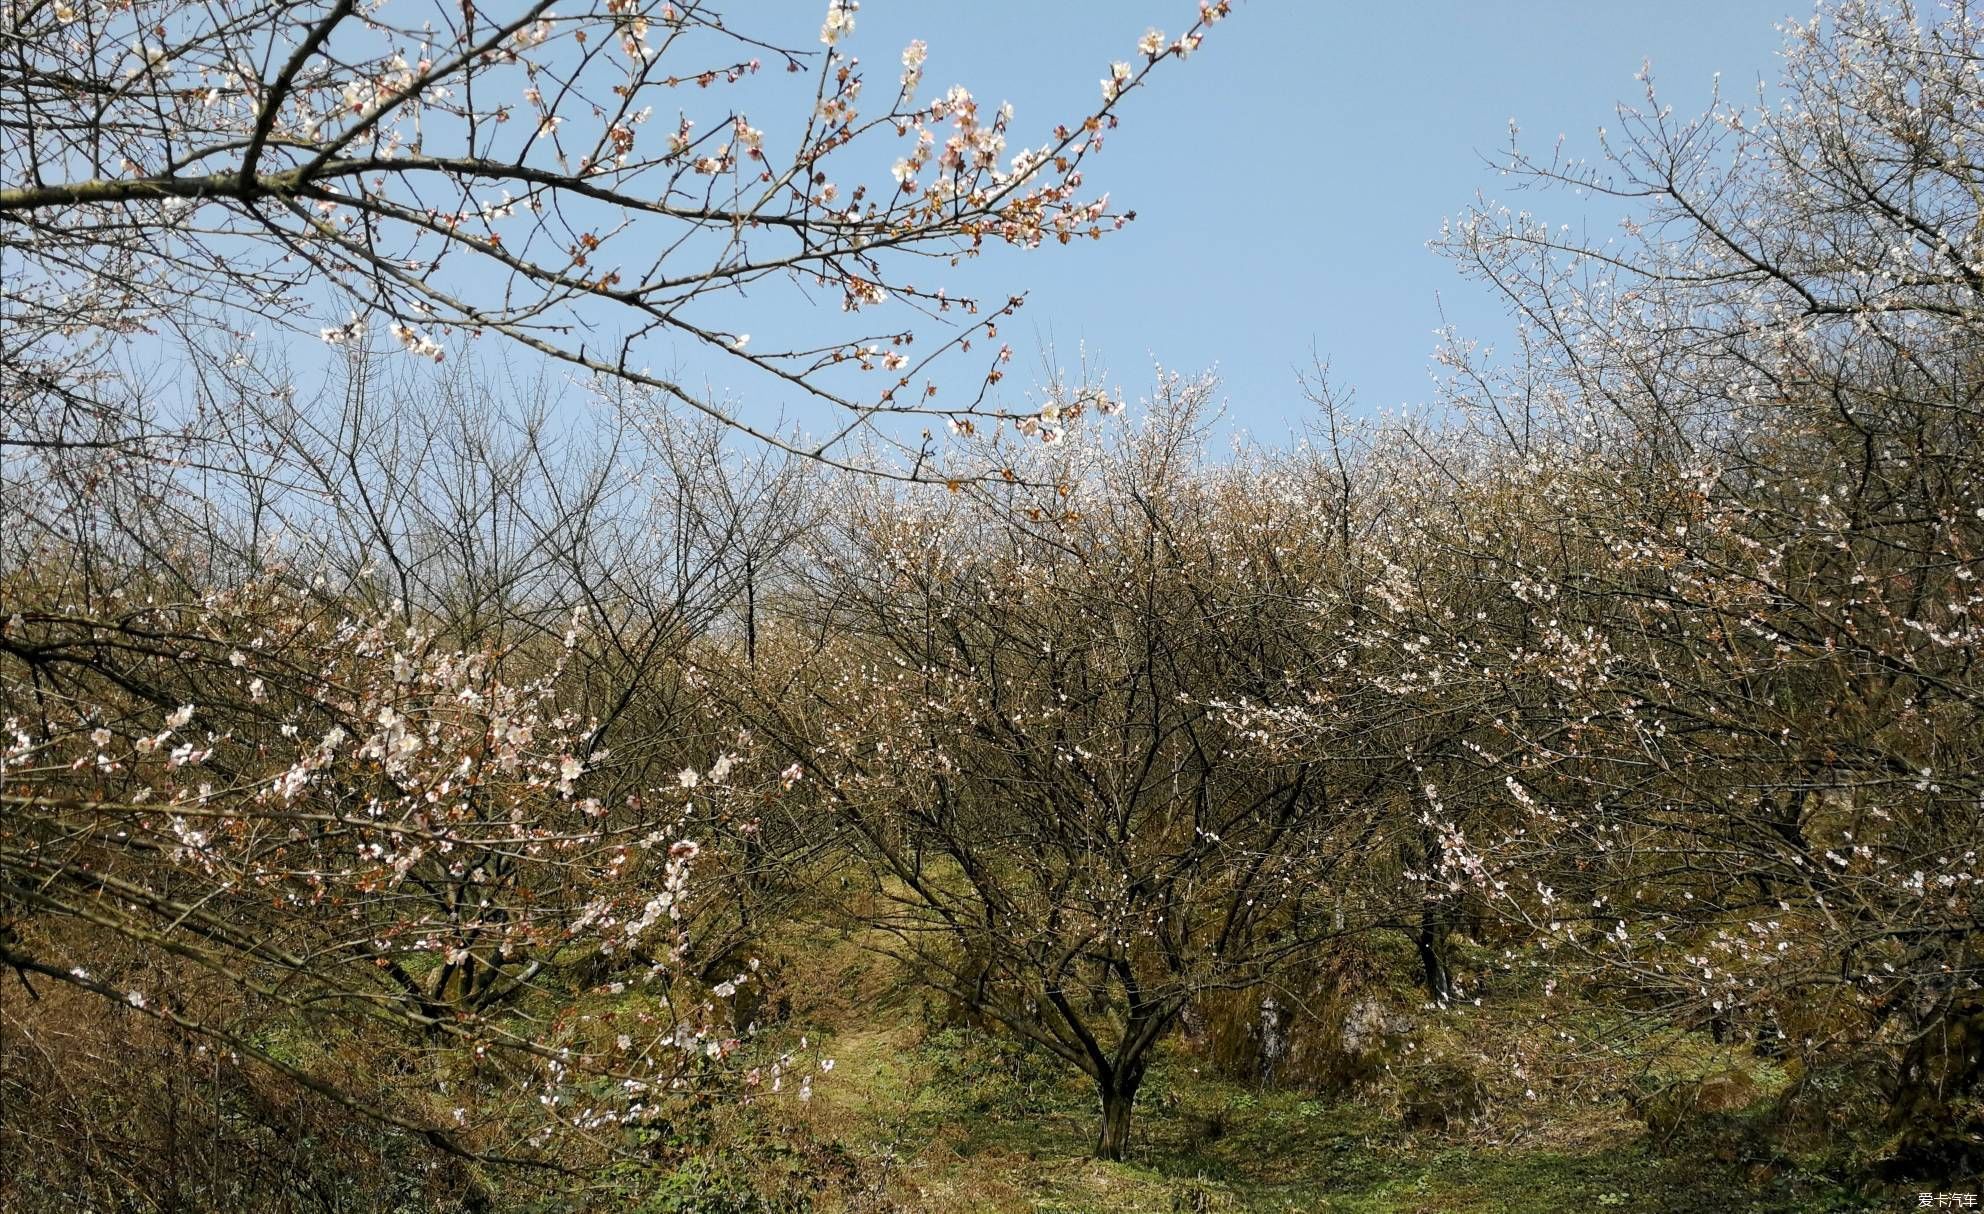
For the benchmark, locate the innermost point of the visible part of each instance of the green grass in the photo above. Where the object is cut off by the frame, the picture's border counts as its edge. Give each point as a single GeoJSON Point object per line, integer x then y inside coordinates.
{"type": "Point", "coordinates": [931, 1118]}
{"type": "Point", "coordinates": [966, 1121]}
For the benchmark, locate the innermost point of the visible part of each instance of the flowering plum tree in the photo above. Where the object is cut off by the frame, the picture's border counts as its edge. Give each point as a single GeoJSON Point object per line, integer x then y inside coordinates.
{"type": "Point", "coordinates": [586, 183]}
{"type": "Point", "coordinates": [1735, 606]}
{"type": "Point", "coordinates": [1043, 716]}
{"type": "Point", "coordinates": [361, 716]}
{"type": "Point", "coordinates": [381, 745]}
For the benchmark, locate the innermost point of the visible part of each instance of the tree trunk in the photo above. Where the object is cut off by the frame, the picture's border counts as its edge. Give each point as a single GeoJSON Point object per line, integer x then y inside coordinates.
{"type": "Point", "coordinates": [1942, 1066]}
{"type": "Point", "coordinates": [1114, 1139]}
{"type": "Point", "coordinates": [1434, 923]}
{"type": "Point", "coordinates": [1431, 942]}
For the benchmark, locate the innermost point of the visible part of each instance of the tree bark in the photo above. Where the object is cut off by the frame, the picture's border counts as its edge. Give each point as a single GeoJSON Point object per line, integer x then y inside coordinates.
{"type": "Point", "coordinates": [1114, 1139]}
{"type": "Point", "coordinates": [1431, 943]}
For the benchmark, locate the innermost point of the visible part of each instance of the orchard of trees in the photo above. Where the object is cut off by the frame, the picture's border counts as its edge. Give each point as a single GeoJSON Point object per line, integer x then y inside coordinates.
{"type": "Point", "coordinates": [436, 740]}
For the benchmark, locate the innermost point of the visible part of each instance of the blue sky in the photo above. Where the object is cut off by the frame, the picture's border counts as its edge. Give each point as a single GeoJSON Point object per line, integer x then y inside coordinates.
{"type": "Point", "coordinates": [1288, 176]}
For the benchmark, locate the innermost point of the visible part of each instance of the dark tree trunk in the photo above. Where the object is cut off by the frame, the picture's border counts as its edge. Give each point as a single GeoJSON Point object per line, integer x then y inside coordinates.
{"type": "Point", "coordinates": [1114, 1139]}
{"type": "Point", "coordinates": [1926, 1102]}
{"type": "Point", "coordinates": [1436, 917]}
{"type": "Point", "coordinates": [1431, 942]}
{"type": "Point", "coordinates": [1118, 1078]}
{"type": "Point", "coordinates": [750, 614]}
